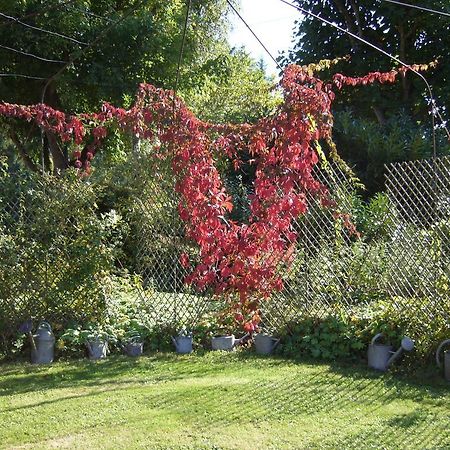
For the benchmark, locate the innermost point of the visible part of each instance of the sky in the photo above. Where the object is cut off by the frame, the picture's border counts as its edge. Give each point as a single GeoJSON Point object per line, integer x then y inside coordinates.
{"type": "Point", "coordinates": [272, 21]}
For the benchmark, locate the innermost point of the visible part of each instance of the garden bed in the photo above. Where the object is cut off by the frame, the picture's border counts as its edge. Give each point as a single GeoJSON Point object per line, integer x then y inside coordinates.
{"type": "Point", "coordinates": [219, 400]}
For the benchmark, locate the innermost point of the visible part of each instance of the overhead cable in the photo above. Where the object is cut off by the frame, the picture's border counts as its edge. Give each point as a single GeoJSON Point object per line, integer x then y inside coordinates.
{"type": "Point", "coordinates": [32, 55]}
{"type": "Point", "coordinates": [180, 55]}
{"type": "Point", "coordinates": [46, 10]}
{"type": "Point", "coordinates": [421, 8]}
{"type": "Point", "coordinates": [434, 110]}
{"type": "Point", "coordinates": [254, 34]}
{"type": "Point", "coordinates": [19, 75]}
{"type": "Point", "coordinates": [42, 30]}
{"type": "Point", "coordinates": [78, 54]}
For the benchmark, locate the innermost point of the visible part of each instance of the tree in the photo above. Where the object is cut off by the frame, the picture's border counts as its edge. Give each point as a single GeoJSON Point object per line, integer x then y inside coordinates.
{"type": "Point", "coordinates": [412, 35]}
{"type": "Point", "coordinates": [234, 89]}
{"type": "Point", "coordinates": [128, 42]}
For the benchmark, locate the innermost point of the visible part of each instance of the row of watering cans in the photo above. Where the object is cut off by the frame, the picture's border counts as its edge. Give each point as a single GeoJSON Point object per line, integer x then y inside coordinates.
{"type": "Point", "coordinates": [379, 356]}
{"type": "Point", "coordinates": [264, 344]}
{"type": "Point", "coordinates": [43, 346]}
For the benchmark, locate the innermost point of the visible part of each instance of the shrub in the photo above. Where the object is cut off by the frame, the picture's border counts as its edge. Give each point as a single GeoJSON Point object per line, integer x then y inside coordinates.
{"type": "Point", "coordinates": [56, 251]}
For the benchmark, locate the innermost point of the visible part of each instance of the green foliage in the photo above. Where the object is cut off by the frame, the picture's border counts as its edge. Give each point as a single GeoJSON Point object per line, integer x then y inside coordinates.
{"type": "Point", "coordinates": [56, 251]}
{"type": "Point", "coordinates": [142, 39]}
{"type": "Point", "coordinates": [379, 124]}
{"type": "Point", "coordinates": [343, 336]}
{"type": "Point", "coordinates": [234, 89]}
{"type": "Point", "coordinates": [328, 338]}
{"type": "Point", "coordinates": [369, 145]}
{"type": "Point", "coordinates": [374, 218]}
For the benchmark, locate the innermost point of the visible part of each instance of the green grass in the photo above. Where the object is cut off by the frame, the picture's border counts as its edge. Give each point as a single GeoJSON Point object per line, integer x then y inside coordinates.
{"type": "Point", "coordinates": [217, 400]}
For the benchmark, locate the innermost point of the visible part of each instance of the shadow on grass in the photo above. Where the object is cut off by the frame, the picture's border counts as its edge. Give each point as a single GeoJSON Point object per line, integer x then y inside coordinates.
{"type": "Point", "coordinates": [246, 388]}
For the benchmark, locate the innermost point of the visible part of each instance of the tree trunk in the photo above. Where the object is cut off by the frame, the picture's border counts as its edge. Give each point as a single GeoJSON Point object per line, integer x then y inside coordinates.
{"type": "Point", "coordinates": [59, 154]}
{"type": "Point", "coordinates": [380, 115]}
{"type": "Point", "coordinates": [349, 22]}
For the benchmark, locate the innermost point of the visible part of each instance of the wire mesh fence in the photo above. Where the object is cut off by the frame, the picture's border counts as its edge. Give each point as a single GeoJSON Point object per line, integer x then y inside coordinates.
{"type": "Point", "coordinates": [58, 251]}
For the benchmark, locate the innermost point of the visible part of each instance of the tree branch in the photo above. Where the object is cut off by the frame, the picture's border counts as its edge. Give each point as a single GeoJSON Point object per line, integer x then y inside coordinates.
{"type": "Point", "coordinates": [29, 164]}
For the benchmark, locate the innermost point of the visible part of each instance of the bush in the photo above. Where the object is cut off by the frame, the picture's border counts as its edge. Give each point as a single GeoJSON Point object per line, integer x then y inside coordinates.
{"type": "Point", "coordinates": [56, 251]}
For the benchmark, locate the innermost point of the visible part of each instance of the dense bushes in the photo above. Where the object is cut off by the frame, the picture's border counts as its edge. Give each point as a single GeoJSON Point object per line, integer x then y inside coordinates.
{"type": "Point", "coordinates": [56, 251]}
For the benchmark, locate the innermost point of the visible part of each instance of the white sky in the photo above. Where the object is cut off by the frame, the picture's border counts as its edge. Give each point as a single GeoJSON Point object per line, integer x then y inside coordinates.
{"type": "Point", "coordinates": [272, 21]}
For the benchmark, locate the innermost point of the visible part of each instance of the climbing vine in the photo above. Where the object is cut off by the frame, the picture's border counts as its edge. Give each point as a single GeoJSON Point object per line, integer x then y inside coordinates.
{"type": "Point", "coordinates": [239, 260]}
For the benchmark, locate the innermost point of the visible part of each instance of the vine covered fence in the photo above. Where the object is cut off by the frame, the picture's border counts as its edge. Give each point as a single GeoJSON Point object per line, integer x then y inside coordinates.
{"type": "Point", "coordinates": [66, 267]}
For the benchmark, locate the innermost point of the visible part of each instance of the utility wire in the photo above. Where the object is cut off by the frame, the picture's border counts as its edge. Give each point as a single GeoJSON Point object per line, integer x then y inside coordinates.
{"type": "Point", "coordinates": [20, 75]}
{"type": "Point", "coordinates": [77, 55]}
{"type": "Point", "coordinates": [254, 34]}
{"type": "Point", "coordinates": [54, 33]}
{"type": "Point", "coordinates": [36, 13]}
{"type": "Point", "coordinates": [421, 8]}
{"type": "Point", "coordinates": [434, 110]}
{"type": "Point", "coordinates": [32, 55]}
{"type": "Point", "coordinates": [180, 55]}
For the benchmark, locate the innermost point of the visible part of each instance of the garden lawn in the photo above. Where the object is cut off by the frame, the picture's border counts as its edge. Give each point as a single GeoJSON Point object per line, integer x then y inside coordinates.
{"type": "Point", "coordinates": [218, 400]}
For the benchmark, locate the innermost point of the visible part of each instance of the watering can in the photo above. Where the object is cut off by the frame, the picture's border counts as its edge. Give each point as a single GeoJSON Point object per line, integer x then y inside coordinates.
{"type": "Point", "coordinates": [43, 344]}
{"type": "Point", "coordinates": [381, 356]}
{"type": "Point", "coordinates": [265, 344]}
{"type": "Point", "coordinates": [134, 346]}
{"type": "Point", "coordinates": [182, 343]}
{"type": "Point", "coordinates": [227, 343]}
{"type": "Point", "coordinates": [446, 358]}
{"type": "Point", "coordinates": [97, 348]}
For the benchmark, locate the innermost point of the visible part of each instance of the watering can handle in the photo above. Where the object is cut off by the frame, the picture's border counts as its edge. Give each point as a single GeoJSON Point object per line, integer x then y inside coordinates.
{"type": "Point", "coordinates": [45, 324]}
{"type": "Point", "coordinates": [375, 338]}
{"type": "Point", "coordinates": [438, 351]}
{"type": "Point", "coordinates": [238, 341]}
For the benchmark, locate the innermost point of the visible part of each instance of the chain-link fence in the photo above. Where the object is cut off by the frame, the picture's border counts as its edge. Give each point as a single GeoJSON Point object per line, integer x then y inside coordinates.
{"type": "Point", "coordinates": [59, 250]}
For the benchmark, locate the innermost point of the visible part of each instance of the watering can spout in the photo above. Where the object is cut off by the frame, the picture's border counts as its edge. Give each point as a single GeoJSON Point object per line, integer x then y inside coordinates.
{"type": "Point", "coordinates": [407, 345]}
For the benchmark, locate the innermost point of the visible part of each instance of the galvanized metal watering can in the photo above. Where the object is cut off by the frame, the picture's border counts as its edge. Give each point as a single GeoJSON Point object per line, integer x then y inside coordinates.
{"type": "Point", "coordinates": [381, 356]}
{"type": "Point", "coordinates": [446, 358]}
{"type": "Point", "coordinates": [97, 349]}
{"type": "Point", "coordinates": [227, 343]}
{"type": "Point", "coordinates": [182, 343]}
{"type": "Point", "coordinates": [134, 346]}
{"type": "Point", "coordinates": [43, 344]}
{"type": "Point", "coordinates": [265, 344]}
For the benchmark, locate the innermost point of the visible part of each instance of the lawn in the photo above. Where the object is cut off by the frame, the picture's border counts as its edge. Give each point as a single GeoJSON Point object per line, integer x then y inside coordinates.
{"type": "Point", "coordinates": [217, 400]}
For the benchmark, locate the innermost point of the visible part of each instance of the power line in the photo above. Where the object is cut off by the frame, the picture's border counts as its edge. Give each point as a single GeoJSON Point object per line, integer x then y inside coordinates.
{"type": "Point", "coordinates": [421, 8]}
{"type": "Point", "coordinates": [31, 55]}
{"type": "Point", "coordinates": [434, 110]}
{"type": "Point", "coordinates": [54, 33]}
{"type": "Point", "coordinates": [36, 13]}
{"type": "Point", "coordinates": [254, 34]}
{"type": "Point", "coordinates": [77, 55]}
{"type": "Point", "coordinates": [180, 55]}
{"type": "Point", "coordinates": [20, 75]}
